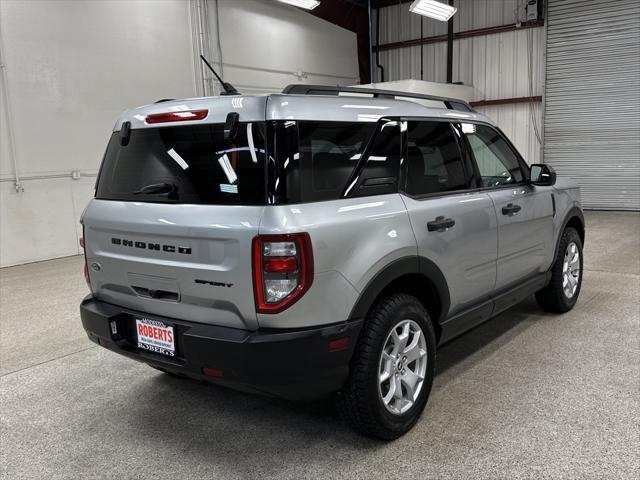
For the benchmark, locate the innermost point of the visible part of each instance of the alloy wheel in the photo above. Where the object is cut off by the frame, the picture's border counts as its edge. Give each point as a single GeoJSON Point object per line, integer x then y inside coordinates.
{"type": "Point", "coordinates": [571, 270]}
{"type": "Point", "coordinates": [402, 366]}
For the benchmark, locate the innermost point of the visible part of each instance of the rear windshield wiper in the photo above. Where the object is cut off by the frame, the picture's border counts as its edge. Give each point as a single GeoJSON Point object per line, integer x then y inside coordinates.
{"type": "Point", "coordinates": [159, 189]}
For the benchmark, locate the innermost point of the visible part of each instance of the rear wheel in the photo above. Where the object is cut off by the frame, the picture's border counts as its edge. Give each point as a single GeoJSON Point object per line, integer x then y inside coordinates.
{"type": "Point", "coordinates": [566, 275]}
{"type": "Point", "coordinates": [392, 370]}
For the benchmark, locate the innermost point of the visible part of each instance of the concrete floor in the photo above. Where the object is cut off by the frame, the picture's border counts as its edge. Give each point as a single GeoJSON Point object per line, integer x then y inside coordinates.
{"type": "Point", "coordinates": [526, 395]}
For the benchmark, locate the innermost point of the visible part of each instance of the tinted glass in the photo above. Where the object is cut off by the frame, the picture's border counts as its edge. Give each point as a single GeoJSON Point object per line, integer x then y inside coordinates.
{"type": "Point", "coordinates": [497, 163]}
{"type": "Point", "coordinates": [186, 164]}
{"type": "Point", "coordinates": [434, 162]}
{"type": "Point", "coordinates": [379, 174]}
{"type": "Point", "coordinates": [313, 160]}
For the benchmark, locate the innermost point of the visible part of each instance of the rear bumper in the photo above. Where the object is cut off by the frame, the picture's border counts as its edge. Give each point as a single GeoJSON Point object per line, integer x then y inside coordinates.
{"type": "Point", "coordinates": [291, 364]}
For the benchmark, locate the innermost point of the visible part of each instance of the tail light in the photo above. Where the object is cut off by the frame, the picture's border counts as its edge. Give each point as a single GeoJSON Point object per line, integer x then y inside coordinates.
{"type": "Point", "coordinates": [86, 266]}
{"type": "Point", "coordinates": [282, 270]}
{"type": "Point", "coordinates": [213, 372]}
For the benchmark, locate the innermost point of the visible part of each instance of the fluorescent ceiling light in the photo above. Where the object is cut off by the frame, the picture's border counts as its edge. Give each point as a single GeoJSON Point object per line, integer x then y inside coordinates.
{"type": "Point", "coordinates": [433, 9]}
{"type": "Point", "coordinates": [306, 4]}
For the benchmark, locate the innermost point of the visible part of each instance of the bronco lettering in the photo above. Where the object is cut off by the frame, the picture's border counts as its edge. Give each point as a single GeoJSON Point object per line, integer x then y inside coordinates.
{"type": "Point", "coordinates": [151, 246]}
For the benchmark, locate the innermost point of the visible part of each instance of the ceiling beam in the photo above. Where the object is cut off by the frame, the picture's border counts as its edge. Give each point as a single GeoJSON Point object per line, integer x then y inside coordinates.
{"type": "Point", "coordinates": [458, 35]}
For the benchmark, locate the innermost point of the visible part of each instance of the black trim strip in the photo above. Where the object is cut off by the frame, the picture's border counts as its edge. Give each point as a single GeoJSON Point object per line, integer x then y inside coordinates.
{"type": "Point", "coordinates": [491, 307]}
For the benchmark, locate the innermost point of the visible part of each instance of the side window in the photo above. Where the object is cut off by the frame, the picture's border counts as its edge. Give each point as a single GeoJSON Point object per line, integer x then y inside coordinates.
{"type": "Point", "coordinates": [434, 162]}
{"type": "Point", "coordinates": [312, 161]}
{"type": "Point", "coordinates": [497, 163]}
{"type": "Point", "coordinates": [379, 174]}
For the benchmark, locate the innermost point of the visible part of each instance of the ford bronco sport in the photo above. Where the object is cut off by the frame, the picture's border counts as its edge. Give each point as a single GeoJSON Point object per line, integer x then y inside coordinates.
{"type": "Point", "coordinates": [319, 242]}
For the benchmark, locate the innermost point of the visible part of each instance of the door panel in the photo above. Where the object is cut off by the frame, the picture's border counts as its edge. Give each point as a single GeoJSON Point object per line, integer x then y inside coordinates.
{"type": "Point", "coordinates": [524, 212]}
{"type": "Point", "coordinates": [525, 239]}
{"type": "Point", "coordinates": [454, 228]}
{"type": "Point", "coordinates": [464, 252]}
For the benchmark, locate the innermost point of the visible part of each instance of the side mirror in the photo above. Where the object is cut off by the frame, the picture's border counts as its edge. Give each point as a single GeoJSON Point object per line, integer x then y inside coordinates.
{"type": "Point", "coordinates": [542, 174]}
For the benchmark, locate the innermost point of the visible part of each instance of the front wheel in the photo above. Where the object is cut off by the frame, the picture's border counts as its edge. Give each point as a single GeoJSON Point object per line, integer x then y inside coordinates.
{"type": "Point", "coordinates": [392, 369]}
{"type": "Point", "coordinates": [566, 275]}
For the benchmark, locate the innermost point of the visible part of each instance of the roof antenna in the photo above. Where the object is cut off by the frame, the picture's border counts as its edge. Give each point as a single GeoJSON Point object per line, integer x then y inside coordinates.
{"type": "Point", "coordinates": [227, 87]}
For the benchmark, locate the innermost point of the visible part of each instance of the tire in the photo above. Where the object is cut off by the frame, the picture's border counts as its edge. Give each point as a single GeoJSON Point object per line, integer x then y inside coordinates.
{"type": "Point", "coordinates": [361, 402]}
{"type": "Point", "coordinates": [556, 297]}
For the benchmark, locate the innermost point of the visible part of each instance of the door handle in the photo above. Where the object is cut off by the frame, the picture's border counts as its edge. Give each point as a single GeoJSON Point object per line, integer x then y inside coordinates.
{"type": "Point", "coordinates": [511, 209]}
{"type": "Point", "coordinates": [440, 224]}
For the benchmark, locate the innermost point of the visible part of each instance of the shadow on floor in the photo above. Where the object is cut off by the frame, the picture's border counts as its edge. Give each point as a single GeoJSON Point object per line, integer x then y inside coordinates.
{"type": "Point", "coordinates": [208, 419]}
{"type": "Point", "coordinates": [483, 340]}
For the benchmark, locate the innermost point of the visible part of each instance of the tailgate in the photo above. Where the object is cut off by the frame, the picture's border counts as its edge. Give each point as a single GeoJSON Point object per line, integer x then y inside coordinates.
{"type": "Point", "coordinates": [189, 262]}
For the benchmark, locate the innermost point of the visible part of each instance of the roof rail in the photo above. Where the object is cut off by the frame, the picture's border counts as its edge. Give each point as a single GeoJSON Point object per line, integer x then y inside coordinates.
{"type": "Point", "coordinates": [300, 89]}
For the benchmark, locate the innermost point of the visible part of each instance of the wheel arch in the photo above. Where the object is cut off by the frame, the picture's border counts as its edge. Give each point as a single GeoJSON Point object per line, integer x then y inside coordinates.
{"type": "Point", "coordinates": [576, 222]}
{"type": "Point", "coordinates": [575, 219]}
{"type": "Point", "coordinates": [417, 276]}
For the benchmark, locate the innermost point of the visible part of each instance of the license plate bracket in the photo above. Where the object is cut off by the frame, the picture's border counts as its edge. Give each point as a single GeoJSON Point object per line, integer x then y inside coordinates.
{"type": "Point", "coordinates": [155, 336]}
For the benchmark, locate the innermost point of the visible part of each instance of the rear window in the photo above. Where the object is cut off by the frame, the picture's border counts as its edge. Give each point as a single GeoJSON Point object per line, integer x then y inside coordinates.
{"type": "Point", "coordinates": [186, 164]}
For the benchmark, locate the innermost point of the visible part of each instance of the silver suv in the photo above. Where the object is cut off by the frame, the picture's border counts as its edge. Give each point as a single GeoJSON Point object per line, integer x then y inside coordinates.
{"type": "Point", "coordinates": [319, 242]}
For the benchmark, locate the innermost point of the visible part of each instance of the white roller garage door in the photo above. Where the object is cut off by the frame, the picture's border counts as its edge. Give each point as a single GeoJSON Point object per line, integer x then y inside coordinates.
{"type": "Point", "coordinates": [592, 99]}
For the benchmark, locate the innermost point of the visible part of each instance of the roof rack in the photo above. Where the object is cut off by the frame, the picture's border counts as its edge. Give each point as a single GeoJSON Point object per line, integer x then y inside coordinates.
{"type": "Point", "coordinates": [300, 89]}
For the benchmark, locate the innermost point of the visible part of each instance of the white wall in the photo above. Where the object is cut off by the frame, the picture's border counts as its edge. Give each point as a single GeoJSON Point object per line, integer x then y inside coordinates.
{"type": "Point", "coordinates": [497, 65]}
{"type": "Point", "coordinates": [74, 66]}
{"type": "Point", "coordinates": [266, 43]}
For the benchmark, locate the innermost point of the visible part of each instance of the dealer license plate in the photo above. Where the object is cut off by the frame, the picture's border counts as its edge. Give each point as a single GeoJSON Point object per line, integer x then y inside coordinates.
{"type": "Point", "coordinates": [155, 336]}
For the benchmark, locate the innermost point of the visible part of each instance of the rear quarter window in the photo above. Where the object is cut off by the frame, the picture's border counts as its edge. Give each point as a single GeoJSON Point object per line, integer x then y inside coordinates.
{"type": "Point", "coordinates": [313, 161]}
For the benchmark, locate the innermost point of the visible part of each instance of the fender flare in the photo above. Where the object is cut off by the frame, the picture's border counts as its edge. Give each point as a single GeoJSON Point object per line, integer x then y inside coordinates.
{"type": "Point", "coordinates": [396, 269]}
{"type": "Point", "coordinates": [573, 212]}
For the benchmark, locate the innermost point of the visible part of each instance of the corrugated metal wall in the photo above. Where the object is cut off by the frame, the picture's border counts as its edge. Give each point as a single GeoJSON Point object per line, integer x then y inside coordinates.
{"type": "Point", "coordinates": [592, 121]}
{"type": "Point", "coordinates": [496, 65]}
{"type": "Point", "coordinates": [397, 23]}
